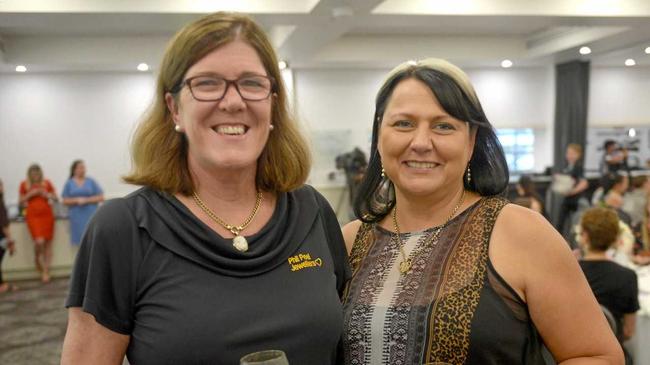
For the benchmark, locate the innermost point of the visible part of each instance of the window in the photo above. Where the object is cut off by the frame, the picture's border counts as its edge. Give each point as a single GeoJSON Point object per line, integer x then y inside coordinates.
{"type": "Point", "coordinates": [518, 145]}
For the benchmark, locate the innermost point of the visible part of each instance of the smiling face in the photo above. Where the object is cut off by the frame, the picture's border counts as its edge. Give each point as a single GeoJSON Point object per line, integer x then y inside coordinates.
{"type": "Point", "coordinates": [229, 134]}
{"type": "Point", "coordinates": [80, 170]}
{"type": "Point", "coordinates": [423, 149]}
{"type": "Point", "coordinates": [35, 175]}
{"type": "Point", "coordinates": [572, 155]}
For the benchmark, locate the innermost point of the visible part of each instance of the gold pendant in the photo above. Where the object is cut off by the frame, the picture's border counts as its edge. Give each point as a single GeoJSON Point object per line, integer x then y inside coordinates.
{"type": "Point", "coordinates": [240, 243]}
{"type": "Point", "coordinates": [405, 266]}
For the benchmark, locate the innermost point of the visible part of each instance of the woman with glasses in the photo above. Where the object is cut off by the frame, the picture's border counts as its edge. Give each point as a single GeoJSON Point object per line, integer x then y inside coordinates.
{"type": "Point", "coordinates": [223, 252]}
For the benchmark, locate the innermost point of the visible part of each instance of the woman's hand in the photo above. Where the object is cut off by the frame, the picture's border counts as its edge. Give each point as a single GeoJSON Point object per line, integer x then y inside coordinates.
{"type": "Point", "coordinates": [11, 246]}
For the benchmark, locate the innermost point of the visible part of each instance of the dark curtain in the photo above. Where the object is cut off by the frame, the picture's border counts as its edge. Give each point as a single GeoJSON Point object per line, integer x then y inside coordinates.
{"type": "Point", "coordinates": [571, 102]}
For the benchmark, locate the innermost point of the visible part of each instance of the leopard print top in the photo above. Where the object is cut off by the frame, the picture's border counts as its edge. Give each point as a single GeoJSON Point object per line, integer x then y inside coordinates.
{"type": "Point", "coordinates": [451, 307]}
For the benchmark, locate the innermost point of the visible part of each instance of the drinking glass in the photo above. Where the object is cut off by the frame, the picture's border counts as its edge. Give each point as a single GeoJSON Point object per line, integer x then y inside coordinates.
{"type": "Point", "coordinates": [266, 357]}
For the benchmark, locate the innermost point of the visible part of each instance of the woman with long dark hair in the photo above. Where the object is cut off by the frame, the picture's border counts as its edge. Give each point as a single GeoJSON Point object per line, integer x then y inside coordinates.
{"type": "Point", "coordinates": [444, 269]}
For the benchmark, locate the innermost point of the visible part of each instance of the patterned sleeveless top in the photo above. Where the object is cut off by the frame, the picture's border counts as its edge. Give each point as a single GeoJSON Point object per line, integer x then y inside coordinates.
{"type": "Point", "coordinates": [451, 308]}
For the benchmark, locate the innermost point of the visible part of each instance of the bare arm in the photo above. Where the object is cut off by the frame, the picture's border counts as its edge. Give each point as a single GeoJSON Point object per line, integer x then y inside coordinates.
{"type": "Point", "coordinates": [30, 194]}
{"type": "Point", "coordinates": [534, 259]}
{"type": "Point", "coordinates": [83, 200]}
{"type": "Point", "coordinates": [70, 201]}
{"type": "Point", "coordinates": [88, 342]}
{"type": "Point", "coordinates": [350, 232]}
{"type": "Point", "coordinates": [629, 325]}
{"type": "Point", "coordinates": [95, 199]}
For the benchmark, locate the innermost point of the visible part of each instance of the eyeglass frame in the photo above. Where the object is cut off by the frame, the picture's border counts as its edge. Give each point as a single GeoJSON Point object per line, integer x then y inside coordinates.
{"type": "Point", "coordinates": [186, 82]}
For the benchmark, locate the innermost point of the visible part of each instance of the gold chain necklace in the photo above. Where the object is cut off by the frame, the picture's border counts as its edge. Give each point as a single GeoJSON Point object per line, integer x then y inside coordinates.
{"type": "Point", "coordinates": [405, 265]}
{"type": "Point", "coordinates": [239, 242]}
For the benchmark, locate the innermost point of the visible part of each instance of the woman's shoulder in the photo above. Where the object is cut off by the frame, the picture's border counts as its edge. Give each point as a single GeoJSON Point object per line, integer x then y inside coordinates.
{"type": "Point", "coordinates": [116, 210]}
{"type": "Point", "coordinates": [121, 210]}
{"type": "Point", "coordinates": [309, 195]}
{"type": "Point", "coordinates": [521, 230]}
{"type": "Point", "coordinates": [519, 219]}
{"type": "Point", "coordinates": [522, 233]}
{"type": "Point", "coordinates": [350, 231]}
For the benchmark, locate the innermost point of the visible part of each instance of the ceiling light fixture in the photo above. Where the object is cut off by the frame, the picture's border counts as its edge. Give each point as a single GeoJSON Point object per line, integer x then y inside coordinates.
{"type": "Point", "coordinates": [647, 50]}
{"type": "Point", "coordinates": [21, 68]}
{"type": "Point", "coordinates": [283, 65]}
{"type": "Point", "coordinates": [143, 67]}
{"type": "Point", "coordinates": [585, 50]}
{"type": "Point", "coordinates": [342, 12]}
{"type": "Point", "coordinates": [631, 132]}
{"type": "Point", "coordinates": [630, 62]}
{"type": "Point", "coordinates": [506, 63]}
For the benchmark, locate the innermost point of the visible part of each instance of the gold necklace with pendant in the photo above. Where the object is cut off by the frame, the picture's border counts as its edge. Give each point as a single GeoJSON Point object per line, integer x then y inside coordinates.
{"type": "Point", "coordinates": [406, 264]}
{"type": "Point", "coordinates": [239, 242]}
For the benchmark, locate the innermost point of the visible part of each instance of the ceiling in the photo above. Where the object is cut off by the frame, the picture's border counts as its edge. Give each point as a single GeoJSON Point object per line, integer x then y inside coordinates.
{"type": "Point", "coordinates": [106, 35]}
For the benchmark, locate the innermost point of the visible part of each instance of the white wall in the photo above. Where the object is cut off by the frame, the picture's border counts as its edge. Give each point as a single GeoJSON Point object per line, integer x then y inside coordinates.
{"type": "Point", "coordinates": [516, 98]}
{"type": "Point", "coordinates": [337, 107]}
{"type": "Point", "coordinates": [53, 119]}
{"type": "Point", "coordinates": [619, 96]}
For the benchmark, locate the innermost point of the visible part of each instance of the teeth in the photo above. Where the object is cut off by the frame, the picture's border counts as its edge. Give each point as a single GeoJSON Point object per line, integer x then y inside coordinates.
{"type": "Point", "coordinates": [420, 165]}
{"type": "Point", "coordinates": [231, 129]}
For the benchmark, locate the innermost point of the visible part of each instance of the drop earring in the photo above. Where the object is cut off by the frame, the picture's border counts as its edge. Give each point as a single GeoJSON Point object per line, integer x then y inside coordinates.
{"type": "Point", "coordinates": [469, 175]}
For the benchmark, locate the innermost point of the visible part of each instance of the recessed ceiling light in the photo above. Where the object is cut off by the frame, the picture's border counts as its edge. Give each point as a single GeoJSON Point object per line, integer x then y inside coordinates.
{"type": "Point", "coordinates": [506, 63]}
{"type": "Point", "coordinates": [283, 65]}
{"type": "Point", "coordinates": [143, 67]}
{"type": "Point", "coordinates": [585, 50]}
{"type": "Point", "coordinates": [630, 62]}
{"type": "Point", "coordinates": [631, 132]}
{"type": "Point", "coordinates": [21, 68]}
{"type": "Point", "coordinates": [647, 50]}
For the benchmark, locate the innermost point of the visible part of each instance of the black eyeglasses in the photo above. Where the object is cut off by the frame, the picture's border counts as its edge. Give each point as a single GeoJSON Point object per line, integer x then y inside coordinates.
{"type": "Point", "coordinates": [214, 88]}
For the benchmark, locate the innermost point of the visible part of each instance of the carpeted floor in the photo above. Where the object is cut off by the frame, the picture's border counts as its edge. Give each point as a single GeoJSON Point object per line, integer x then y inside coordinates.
{"type": "Point", "coordinates": [33, 322]}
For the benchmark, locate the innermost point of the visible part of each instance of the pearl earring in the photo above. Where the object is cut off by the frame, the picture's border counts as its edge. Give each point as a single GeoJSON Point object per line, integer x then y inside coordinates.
{"type": "Point", "coordinates": [469, 175]}
{"type": "Point", "coordinates": [177, 128]}
{"type": "Point", "coordinates": [271, 126]}
{"type": "Point", "coordinates": [383, 172]}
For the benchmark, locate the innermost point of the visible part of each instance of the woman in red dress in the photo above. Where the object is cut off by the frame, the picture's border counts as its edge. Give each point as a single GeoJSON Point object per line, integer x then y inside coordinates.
{"type": "Point", "coordinates": [36, 193]}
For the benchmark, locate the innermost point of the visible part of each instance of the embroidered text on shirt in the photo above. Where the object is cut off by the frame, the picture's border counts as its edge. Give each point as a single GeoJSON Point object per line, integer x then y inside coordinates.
{"type": "Point", "coordinates": [303, 260]}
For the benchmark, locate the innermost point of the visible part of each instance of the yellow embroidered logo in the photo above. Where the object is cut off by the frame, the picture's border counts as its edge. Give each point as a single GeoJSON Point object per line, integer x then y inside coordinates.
{"type": "Point", "coordinates": [303, 260]}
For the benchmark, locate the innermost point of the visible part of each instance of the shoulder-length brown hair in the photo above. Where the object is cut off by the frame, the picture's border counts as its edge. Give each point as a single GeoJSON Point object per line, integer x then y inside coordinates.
{"type": "Point", "coordinates": [159, 154]}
